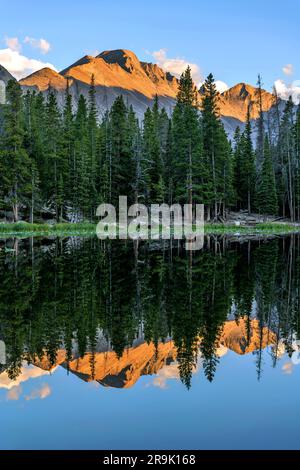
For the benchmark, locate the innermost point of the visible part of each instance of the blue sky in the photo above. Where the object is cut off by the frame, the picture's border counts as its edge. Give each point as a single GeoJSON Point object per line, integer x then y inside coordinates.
{"type": "Point", "coordinates": [235, 411]}
{"type": "Point", "coordinates": [233, 40]}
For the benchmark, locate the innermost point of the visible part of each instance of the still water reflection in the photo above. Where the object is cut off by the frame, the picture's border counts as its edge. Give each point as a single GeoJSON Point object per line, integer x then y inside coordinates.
{"type": "Point", "coordinates": [203, 345]}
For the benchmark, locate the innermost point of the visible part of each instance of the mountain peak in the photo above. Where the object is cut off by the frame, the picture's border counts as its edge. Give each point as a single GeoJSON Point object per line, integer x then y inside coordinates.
{"type": "Point", "coordinates": [122, 72]}
{"type": "Point", "coordinates": [43, 79]}
{"type": "Point", "coordinates": [243, 90]}
{"type": "Point", "coordinates": [123, 57]}
{"type": "Point", "coordinates": [236, 101]}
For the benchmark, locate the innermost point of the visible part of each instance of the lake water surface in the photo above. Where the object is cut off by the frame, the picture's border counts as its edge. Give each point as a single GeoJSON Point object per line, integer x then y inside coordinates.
{"type": "Point", "coordinates": [113, 345]}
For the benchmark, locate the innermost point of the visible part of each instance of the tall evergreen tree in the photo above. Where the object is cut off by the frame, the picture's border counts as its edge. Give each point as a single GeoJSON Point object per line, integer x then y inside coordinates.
{"type": "Point", "coordinates": [121, 164]}
{"type": "Point", "coordinates": [260, 126]}
{"type": "Point", "coordinates": [245, 168]}
{"type": "Point", "coordinates": [186, 144]}
{"type": "Point", "coordinates": [215, 148]}
{"type": "Point", "coordinates": [153, 157]}
{"type": "Point", "coordinates": [266, 195]}
{"type": "Point", "coordinates": [15, 164]}
{"type": "Point", "coordinates": [54, 167]}
{"type": "Point", "coordinates": [67, 151]}
{"type": "Point", "coordinates": [92, 135]}
{"type": "Point", "coordinates": [80, 170]}
{"type": "Point", "coordinates": [297, 165]}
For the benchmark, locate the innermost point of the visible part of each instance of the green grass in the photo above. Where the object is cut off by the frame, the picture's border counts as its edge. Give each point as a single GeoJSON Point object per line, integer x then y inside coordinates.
{"type": "Point", "coordinates": [263, 228]}
{"type": "Point", "coordinates": [24, 229]}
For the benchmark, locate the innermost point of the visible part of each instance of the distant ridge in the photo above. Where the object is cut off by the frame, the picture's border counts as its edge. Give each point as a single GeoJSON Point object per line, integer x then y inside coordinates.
{"type": "Point", "coordinates": [120, 72]}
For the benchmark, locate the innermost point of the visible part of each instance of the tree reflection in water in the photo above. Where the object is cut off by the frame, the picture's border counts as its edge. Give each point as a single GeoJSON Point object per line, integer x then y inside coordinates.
{"type": "Point", "coordinates": [113, 311]}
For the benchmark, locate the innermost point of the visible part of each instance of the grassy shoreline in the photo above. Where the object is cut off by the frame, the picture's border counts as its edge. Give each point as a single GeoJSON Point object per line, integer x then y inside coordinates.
{"type": "Point", "coordinates": [89, 229]}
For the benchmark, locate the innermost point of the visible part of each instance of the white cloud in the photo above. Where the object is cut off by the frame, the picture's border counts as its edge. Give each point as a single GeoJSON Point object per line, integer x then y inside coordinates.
{"type": "Point", "coordinates": [27, 373]}
{"type": "Point", "coordinates": [221, 86]}
{"type": "Point", "coordinates": [42, 44]}
{"type": "Point", "coordinates": [40, 393]}
{"type": "Point", "coordinates": [13, 44]}
{"type": "Point", "coordinates": [19, 65]}
{"type": "Point", "coordinates": [171, 371]}
{"type": "Point", "coordinates": [14, 393]}
{"type": "Point", "coordinates": [93, 52]}
{"type": "Point", "coordinates": [288, 69]}
{"type": "Point", "coordinates": [176, 65]}
{"type": "Point", "coordinates": [285, 90]}
{"type": "Point", "coordinates": [287, 368]}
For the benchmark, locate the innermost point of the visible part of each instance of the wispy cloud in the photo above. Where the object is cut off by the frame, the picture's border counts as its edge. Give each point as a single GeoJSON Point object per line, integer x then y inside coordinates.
{"type": "Point", "coordinates": [288, 69]}
{"type": "Point", "coordinates": [40, 393]}
{"type": "Point", "coordinates": [287, 368]}
{"type": "Point", "coordinates": [42, 44]}
{"type": "Point", "coordinates": [13, 44]}
{"type": "Point", "coordinates": [176, 65]}
{"type": "Point", "coordinates": [171, 372]}
{"type": "Point", "coordinates": [14, 393]}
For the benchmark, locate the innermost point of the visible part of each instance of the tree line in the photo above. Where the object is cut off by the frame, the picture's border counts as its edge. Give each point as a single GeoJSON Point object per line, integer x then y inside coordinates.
{"type": "Point", "coordinates": [63, 162]}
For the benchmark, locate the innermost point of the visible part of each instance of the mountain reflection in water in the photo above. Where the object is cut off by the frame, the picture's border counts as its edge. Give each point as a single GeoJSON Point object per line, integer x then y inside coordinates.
{"type": "Point", "coordinates": [112, 312]}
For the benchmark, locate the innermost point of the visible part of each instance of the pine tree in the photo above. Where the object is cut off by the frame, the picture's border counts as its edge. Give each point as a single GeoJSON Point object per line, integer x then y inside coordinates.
{"type": "Point", "coordinates": [121, 164]}
{"type": "Point", "coordinates": [245, 168]}
{"type": "Point", "coordinates": [80, 170]}
{"type": "Point", "coordinates": [135, 148]}
{"type": "Point", "coordinates": [288, 158]}
{"type": "Point", "coordinates": [237, 166]}
{"type": "Point", "coordinates": [215, 148]}
{"type": "Point", "coordinates": [186, 144]}
{"type": "Point", "coordinates": [153, 155]}
{"type": "Point", "coordinates": [266, 195]}
{"type": "Point", "coordinates": [297, 165]}
{"type": "Point", "coordinates": [187, 92]}
{"type": "Point", "coordinates": [34, 144]}
{"type": "Point", "coordinates": [15, 164]}
{"type": "Point", "coordinates": [260, 127]}
{"type": "Point", "coordinates": [53, 163]}
{"type": "Point", "coordinates": [92, 134]}
{"type": "Point", "coordinates": [169, 166]}
{"type": "Point", "coordinates": [104, 158]}
{"type": "Point", "coordinates": [67, 152]}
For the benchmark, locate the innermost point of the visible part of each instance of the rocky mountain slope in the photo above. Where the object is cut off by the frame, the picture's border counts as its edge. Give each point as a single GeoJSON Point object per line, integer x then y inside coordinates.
{"type": "Point", "coordinates": [116, 73]}
{"type": "Point", "coordinates": [120, 72]}
{"type": "Point", "coordinates": [5, 76]}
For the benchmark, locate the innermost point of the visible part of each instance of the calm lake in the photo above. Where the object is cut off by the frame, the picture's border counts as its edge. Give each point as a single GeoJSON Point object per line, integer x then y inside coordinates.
{"type": "Point", "coordinates": [114, 345]}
